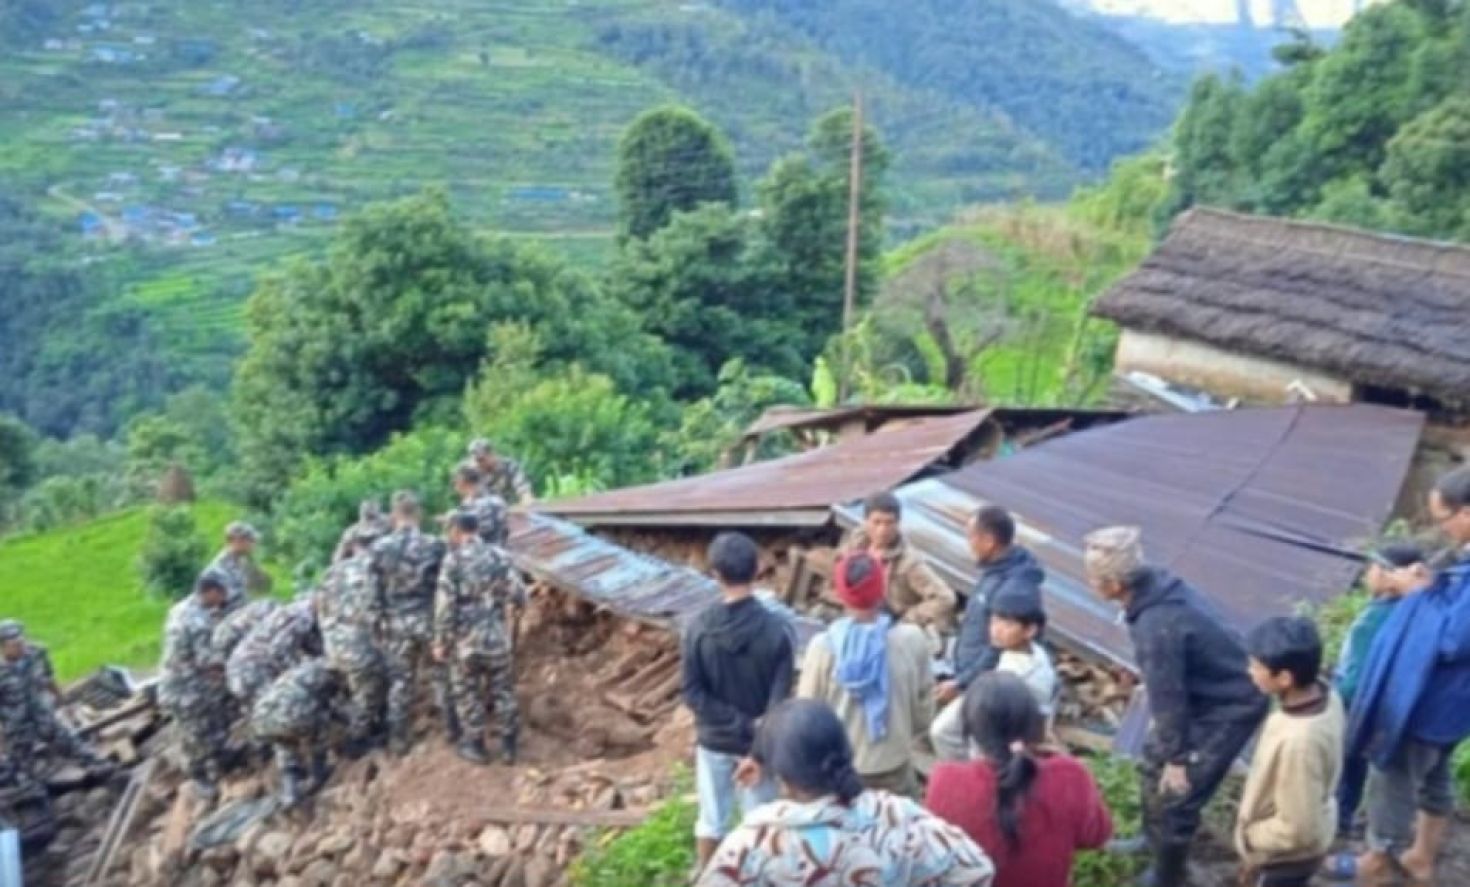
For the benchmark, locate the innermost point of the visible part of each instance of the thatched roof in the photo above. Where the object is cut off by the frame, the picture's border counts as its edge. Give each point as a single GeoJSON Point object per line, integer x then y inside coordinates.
{"type": "Point", "coordinates": [1370, 308]}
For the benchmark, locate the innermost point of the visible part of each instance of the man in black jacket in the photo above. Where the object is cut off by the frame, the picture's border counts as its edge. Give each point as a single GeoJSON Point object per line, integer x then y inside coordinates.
{"type": "Point", "coordinates": [1004, 566]}
{"type": "Point", "coordinates": [738, 663]}
{"type": "Point", "coordinates": [1204, 707]}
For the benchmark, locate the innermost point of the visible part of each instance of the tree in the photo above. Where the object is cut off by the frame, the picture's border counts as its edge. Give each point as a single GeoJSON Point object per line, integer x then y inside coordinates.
{"type": "Point", "coordinates": [389, 328]}
{"type": "Point", "coordinates": [1205, 169]}
{"type": "Point", "coordinates": [710, 428]}
{"type": "Point", "coordinates": [804, 208]}
{"type": "Point", "coordinates": [173, 552]}
{"type": "Point", "coordinates": [1427, 171]}
{"type": "Point", "coordinates": [18, 470]}
{"type": "Point", "coordinates": [698, 284]}
{"type": "Point", "coordinates": [670, 159]}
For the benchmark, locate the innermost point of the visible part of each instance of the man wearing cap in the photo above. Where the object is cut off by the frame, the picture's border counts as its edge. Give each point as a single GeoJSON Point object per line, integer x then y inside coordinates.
{"type": "Point", "coordinates": [236, 564]}
{"type": "Point", "coordinates": [471, 636]}
{"type": "Point", "coordinates": [1203, 705]}
{"type": "Point", "coordinates": [501, 475]}
{"type": "Point", "coordinates": [487, 507]}
{"type": "Point", "coordinates": [875, 674]}
{"type": "Point", "coordinates": [349, 613]}
{"type": "Point", "coordinates": [191, 687]}
{"type": "Point", "coordinates": [28, 695]}
{"type": "Point", "coordinates": [406, 564]}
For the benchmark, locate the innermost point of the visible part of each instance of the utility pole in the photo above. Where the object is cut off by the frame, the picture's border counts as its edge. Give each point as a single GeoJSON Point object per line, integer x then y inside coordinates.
{"type": "Point", "coordinates": [854, 225]}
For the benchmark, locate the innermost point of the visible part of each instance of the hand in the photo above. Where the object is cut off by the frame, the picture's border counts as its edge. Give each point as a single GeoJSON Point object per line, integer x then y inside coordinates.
{"type": "Point", "coordinates": [1249, 876]}
{"type": "Point", "coordinates": [1175, 780]}
{"type": "Point", "coordinates": [748, 773]}
{"type": "Point", "coordinates": [946, 692]}
{"type": "Point", "coordinates": [440, 654]}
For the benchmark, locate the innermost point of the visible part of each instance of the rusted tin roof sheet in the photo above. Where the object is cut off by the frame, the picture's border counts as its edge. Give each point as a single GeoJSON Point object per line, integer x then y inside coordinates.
{"type": "Point", "coordinates": [790, 417]}
{"type": "Point", "coordinates": [797, 490]}
{"type": "Point", "coordinates": [627, 582]}
{"type": "Point", "coordinates": [1262, 510]}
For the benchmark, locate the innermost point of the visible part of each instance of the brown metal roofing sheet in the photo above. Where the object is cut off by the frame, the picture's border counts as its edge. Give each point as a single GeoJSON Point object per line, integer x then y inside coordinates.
{"type": "Point", "coordinates": [804, 485]}
{"type": "Point", "coordinates": [779, 417]}
{"type": "Point", "coordinates": [1262, 510]}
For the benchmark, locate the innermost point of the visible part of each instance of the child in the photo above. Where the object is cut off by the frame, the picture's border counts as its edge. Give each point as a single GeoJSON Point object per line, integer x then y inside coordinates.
{"type": "Point", "coordinates": [1030, 808]}
{"type": "Point", "coordinates": [1016, 620]}
{"type": "Point", "coordinates": [1393, 571]}
{"type": "Point", "coordinates": [1288, 812]}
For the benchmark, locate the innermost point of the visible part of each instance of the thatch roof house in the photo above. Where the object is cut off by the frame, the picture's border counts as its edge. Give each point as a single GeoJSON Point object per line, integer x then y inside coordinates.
{"type": "Point", "coordinates": [1267, 309]}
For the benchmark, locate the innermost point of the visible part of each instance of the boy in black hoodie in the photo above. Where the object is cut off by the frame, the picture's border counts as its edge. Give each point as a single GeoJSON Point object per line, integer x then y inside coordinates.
{"type": "Point", "coordinates": [738, 663]}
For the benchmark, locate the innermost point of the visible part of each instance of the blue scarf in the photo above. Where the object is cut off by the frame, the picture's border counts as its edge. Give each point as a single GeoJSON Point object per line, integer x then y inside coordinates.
{"type": "Point", "coordinates": [862, 667]}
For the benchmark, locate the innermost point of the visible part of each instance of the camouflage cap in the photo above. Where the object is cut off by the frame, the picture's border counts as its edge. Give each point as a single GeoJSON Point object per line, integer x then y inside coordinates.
{"type": "Point", "coordinates": [1112, 553]}
{"type": "Point", "coordinates": [11, 630]}
{"type": "Point", "coordinates": [211, 578]}
{"type": "Point", "coordinates": [369, 509]}
{"type": "Point", "coordinates": [241, 530]}
{"type": "Point", "coordinates": [481, 446]}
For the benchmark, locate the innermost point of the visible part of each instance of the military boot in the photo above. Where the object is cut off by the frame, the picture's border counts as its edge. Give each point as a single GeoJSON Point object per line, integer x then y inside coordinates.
{"type": "Point", "coordinates": [293, 786]}
{"type": "Point", "coordinates": [473, 750]}
{"type": "Point", "coordinates": [399, 741]}
{"type": "Point", "coordinates": [321, 770]}
{"type": "Point", "coordinates": [508, 744]}
{"type": "Point", "coordinates": [451, 724]}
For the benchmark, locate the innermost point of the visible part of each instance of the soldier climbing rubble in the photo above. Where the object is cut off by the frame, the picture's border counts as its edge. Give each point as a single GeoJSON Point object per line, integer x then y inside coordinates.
{"type": "Point", "coordinates": [192, 684]}
{"type": "Point", "coordinates": [292, 716]}
{"type": "Point", "coordinates": [28, 696]}
{"type": "Point", "coordinates": [279, 641]}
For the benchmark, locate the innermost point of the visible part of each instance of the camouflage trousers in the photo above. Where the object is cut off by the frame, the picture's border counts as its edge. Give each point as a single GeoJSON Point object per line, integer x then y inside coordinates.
{"type": "Point", "coordinates": [479, 678]}
{"type": "Point", "coordinates": [26, 736]}
{"type": "Point", "coordinates": [15, 779]}
{"type": "Point", "coordinates": [203, 731]}
{"type": "Point", "coordinates": [360, 662]}
{"type": "Point", "coordinates": [406, 651]}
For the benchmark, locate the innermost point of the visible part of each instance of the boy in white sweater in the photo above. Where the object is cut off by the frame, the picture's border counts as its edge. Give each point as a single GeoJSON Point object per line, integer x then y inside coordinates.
{"type": "Point", "coordinates": [1288, 812]}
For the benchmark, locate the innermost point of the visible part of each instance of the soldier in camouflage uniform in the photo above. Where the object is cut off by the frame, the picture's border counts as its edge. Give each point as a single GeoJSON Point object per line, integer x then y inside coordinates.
{"type": "Point", "coordinates": [406, 564]}
{"type": "Point", "coordinates": [488, 508]}
{"type": "Point", "coordinates": [370, 523]}
{"type": "Point", "coordinates": [28, 695]}
{"type": "Point", "coordinates": [236, 563]}
{"type": "Point", "coordinates": [233, 628]}
{"type": "Point", "coordinates": [503, 476]}
{"type": "Point", "coordinates": [292, 715]}
{"type": "Point", "coordinates": [470, 634]}
{"type": "Point", "coordinates": [349, 613]}
{"type": "Point", "coordinates": [192, 682]}
{"type": "Point", "coordinates": [271, 648]}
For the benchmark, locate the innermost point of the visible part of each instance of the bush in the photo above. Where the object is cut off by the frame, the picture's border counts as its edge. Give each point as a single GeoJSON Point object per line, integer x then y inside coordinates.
{"type": "Point", "coordinates": [173, 552]}
{"type": "Point", "coordinates": [658, 853]}
{"type": "Point", "coordinates": [1118, 779]}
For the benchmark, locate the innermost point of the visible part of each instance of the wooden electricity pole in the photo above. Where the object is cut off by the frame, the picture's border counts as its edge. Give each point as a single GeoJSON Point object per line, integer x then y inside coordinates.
{"type": "Point", "coordinates": [854, 226]}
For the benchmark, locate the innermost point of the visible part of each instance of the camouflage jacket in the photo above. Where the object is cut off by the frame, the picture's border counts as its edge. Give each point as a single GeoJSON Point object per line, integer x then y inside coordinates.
{"type": "Point", "coordinates": [375, 528]}
{"type": "Point", "coordinates": [507, 480]}
{"type": "Point", "coordinates": [349, 602]}
{"type": "Point", "coordinates": [469, 608]}
{"type": "Point", "coordinates": [26, 688]}
{"type": "Point", "coordinates": [297, 704]}
{"type": "Point", "coordinates": [192, 670]}
{"type": "Point", "coordinates": [406, 563]}
{"type": "Point", "coordinates": [241, 576]}
{"type": "Point", "coordinates": [489, 509]}
{"type": "Point", "coordinates": [233, 628]}
{"type": "Point", "coordinates": [272, 647]}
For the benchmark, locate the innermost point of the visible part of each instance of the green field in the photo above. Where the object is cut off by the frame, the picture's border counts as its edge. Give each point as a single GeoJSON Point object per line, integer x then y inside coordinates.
{"type": "Point", "coordinates": [77, 590]}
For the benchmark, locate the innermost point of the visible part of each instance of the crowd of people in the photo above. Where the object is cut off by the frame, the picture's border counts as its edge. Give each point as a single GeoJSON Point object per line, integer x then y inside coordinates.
{"type": "Point", "coordinates": [245, 675]}
{"type": "Point", "coordinates": [828, 785]}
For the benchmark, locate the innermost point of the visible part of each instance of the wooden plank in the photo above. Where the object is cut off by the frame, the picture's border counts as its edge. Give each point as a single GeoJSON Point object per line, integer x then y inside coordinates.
{"type": "Point", "coordinates": [120, 822]}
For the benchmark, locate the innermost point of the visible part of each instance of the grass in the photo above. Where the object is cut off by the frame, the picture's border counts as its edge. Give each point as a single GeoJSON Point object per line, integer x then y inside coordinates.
{"type": "Point", "coordinates": [77, 590]}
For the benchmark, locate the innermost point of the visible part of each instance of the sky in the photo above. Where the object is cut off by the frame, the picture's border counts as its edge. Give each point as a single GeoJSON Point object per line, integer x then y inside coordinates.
{"type": "Point", "coordinates": [1318, 13]}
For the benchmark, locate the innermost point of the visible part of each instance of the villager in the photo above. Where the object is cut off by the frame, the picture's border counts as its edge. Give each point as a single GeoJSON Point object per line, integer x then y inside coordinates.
{"type": "Point", "coordinates": [992, 537]}
{"type": "Point", "coordinates": [503, 476]}
{"type": "Point", "coordinates": [1288, 812]}
{"type": "Point", "coordinates": [406, 563]}
{"type": "Point", "coordinates": [915, 594]}
{"type": "Point", "coordinates": [472, 637]}
{"type": "Point", "coordinates": [875, 673]}
{"type": "Point", "coordinates": [737, 662]}
{"type": "Point", "coordinates": [236, 564]}
{"type": "Point", "coordinates": [1030, 807]}
{"type": "Point", "coordinates": [1394, 570]}
{"type": "Point", "coordinates": [1202, 702]}
{"type": "Point", "coordinates": [829, 831]}
{"type": "Point", "coordinates": [1016, 621]}
{"type": "Point", "coordinates": [1412, 707]}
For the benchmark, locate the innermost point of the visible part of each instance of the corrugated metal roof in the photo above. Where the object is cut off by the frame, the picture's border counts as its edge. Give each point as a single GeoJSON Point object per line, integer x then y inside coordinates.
{"type": "Point", "coordinates": [779, 417]}
{"type": "Point", "coordinates": [794, 490]}
{"type": "Point", "coordinates": [627, 582]}
{"type": "Point", "coordinates": [1262, 510]}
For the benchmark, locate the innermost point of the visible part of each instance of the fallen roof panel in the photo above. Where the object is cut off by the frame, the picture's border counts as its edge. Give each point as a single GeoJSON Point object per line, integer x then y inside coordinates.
{"type": "Point", "coordinates": [1262, 510]}
{"type": "Point", "coordinates": [792, 490]}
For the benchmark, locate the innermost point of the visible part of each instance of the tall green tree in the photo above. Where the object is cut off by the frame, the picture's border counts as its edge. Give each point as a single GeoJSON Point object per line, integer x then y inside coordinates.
{"type": "Point", "coordinates": [1205, 168]}
{"type": "Point", "coordinates": [804, 209]}
{"type": "Point", "coordinates": [670, 159]}
{"type": "Point", "coordinates": [1427, 172]}
{"type": "Point", "coordinates": [18, 469]}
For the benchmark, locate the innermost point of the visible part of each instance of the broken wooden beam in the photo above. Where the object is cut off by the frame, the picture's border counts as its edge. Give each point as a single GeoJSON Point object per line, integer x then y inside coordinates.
{"type": "Point", "coordinates": [120, 822]}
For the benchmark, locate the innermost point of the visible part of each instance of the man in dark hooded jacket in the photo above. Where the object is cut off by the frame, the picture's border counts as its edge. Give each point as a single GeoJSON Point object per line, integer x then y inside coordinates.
{"type": "Point", "coordinates": [738, 663]}
{"type": "Point", "coordinates": [1203, 705]}
{"type": "Point", "coordinates": [1005, 567]}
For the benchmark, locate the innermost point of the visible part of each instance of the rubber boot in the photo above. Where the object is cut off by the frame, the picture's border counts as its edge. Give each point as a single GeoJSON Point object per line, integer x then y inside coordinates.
{"type": "Point", "coordinates": [473, 750]}
{"type": "Point", "coordinates": [1169, 868]}
{"type": "Point", "coordinates": [508, 748]}
{"type": "Point", "coordinates": [452, 729]}
{"type": "Point", "coordinates": [293, 787]}
{"type": "Point", "coordinates": [356, 747]}
{"type": "Point", "coordinates": [321, 770]}
{"type": "Point", "coordinates": [398, 740]}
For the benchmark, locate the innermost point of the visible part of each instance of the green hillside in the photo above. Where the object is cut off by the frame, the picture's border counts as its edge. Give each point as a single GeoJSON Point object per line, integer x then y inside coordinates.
{"type": "Point", "coordinates": [77, 591]}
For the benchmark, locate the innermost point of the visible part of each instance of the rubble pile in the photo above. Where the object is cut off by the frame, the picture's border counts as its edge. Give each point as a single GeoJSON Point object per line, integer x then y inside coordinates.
{"type": "Point", "coordinates": [602, 730]}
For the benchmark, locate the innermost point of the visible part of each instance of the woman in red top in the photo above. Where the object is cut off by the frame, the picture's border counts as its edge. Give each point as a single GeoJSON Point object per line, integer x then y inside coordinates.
{"type": "Point", "coordinates": [1030, 809]}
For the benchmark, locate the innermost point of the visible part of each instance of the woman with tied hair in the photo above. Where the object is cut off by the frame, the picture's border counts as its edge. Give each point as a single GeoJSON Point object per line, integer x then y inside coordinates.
{"type": "Point", "coordinates": [1028, 807]}
{"type": "Point", "coordinates": [827, 830]}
